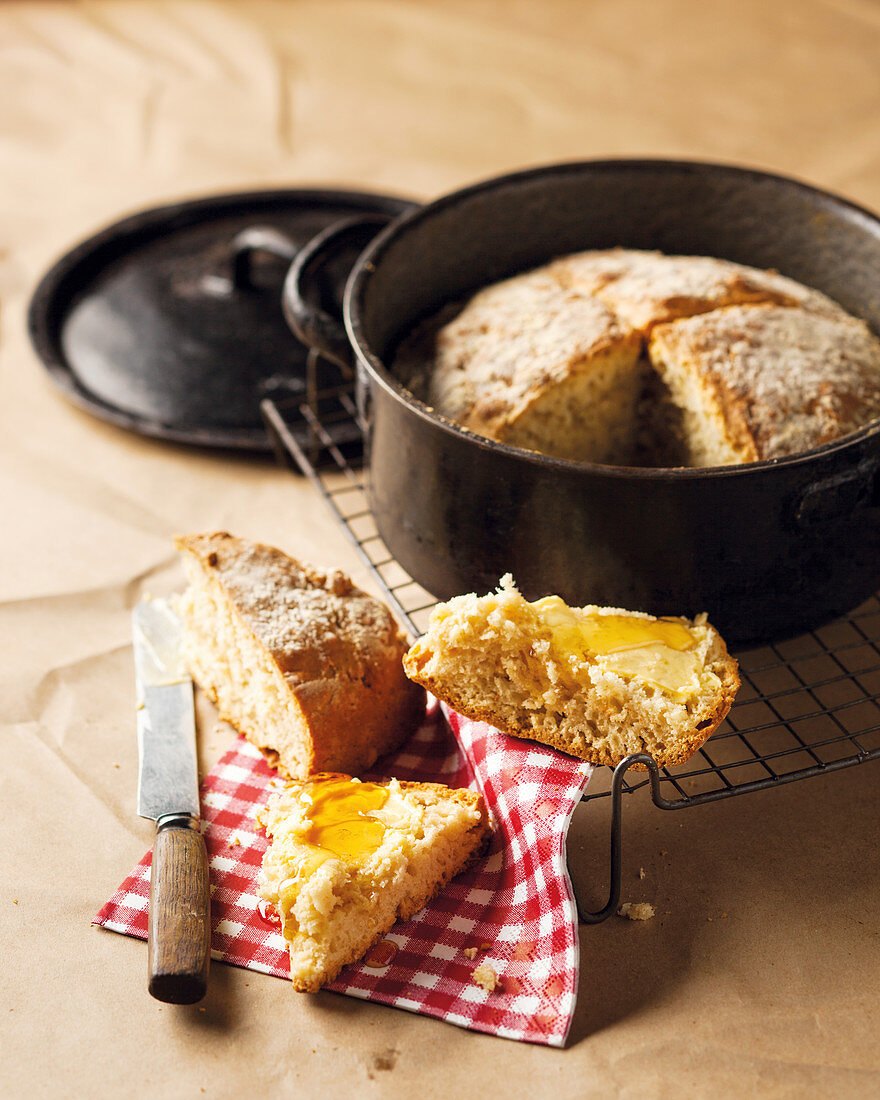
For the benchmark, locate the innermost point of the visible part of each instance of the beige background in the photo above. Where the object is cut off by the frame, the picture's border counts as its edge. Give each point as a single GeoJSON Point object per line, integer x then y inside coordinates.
{"type": "Point", "coordinates": [760, 975]}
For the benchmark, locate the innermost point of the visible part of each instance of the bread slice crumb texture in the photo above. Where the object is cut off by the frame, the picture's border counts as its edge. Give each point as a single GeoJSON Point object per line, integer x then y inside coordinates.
{"type": "Point", "coordinates": [348, 859]}
{"type": "Point", "coordinates": [598, 683]}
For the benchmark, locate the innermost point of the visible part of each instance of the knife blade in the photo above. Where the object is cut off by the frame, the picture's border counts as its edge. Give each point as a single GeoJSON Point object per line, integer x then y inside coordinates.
{"type": "Point", "coordinates": [179, 929]}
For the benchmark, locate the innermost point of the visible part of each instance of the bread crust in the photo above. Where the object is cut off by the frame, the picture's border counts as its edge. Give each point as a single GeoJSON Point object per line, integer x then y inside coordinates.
{"type": "Point", "coordinates": [648, 288]}
{"type": "Point", "coordinates": [337, 650]}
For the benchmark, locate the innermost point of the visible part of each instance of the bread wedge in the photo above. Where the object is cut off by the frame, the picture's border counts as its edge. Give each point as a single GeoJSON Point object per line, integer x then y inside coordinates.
{"type": "Point", "coordinates": [533, 365]}
{"type": "Point", "coordinates": [347, 860]}
{"type": "Point", "coordinates": [759, 382]}
{"type": "Point", "coordinates": [303, 663]}
{"type": "Point", "coordinates": [598, 683]}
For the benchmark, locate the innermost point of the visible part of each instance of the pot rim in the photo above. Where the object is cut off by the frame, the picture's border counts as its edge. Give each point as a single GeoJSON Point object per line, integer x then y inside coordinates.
{"type": "Point", "coordinates": [371, 256]}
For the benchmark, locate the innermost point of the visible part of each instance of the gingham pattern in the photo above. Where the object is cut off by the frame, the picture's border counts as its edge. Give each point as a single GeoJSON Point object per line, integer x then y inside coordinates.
{"type": "Point", "coordinates": [515, 907]}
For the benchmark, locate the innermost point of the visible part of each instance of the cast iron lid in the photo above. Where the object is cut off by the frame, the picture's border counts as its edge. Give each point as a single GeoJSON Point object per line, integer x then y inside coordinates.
{"type": "Point", "coordinates": [169, 322]}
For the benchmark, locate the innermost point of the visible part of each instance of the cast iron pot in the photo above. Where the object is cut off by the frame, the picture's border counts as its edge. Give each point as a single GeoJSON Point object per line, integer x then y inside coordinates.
{"type": "Point", "coordinates": [767, 549]}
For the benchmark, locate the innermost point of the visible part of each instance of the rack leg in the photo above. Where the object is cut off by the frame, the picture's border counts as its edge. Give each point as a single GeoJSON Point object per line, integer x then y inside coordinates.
{"type": "Point", "coordinates": [586, 915]}
{"type": "Point", "coordinates": [274, 426]}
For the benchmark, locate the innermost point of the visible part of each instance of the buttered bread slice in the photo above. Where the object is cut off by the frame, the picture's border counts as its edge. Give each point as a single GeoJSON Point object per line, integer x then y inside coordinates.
{"type": "Point", "coordinates": [304, 664]}
{"type": "Point", "coordinates": [598, 683]}
{"type": "Point", "coordinates": [348, 859]}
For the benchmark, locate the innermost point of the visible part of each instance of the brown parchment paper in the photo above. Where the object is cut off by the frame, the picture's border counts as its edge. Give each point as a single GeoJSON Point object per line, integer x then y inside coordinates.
{"type": "Point", "coordinates": [760, 974]}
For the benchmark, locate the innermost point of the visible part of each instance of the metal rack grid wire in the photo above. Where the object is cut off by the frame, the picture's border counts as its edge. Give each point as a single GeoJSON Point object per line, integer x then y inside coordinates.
{"type": "Point", "coordinates": [808, 705]}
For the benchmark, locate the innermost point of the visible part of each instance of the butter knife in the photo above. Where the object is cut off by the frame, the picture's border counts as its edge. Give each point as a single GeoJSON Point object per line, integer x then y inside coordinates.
{"type": "Point", "coordinates": [179, 927]}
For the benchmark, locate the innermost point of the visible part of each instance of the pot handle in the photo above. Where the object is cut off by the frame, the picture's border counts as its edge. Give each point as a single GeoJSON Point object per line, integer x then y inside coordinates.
{"type": "Point", "coordinates": [842, 494]}
{"type": "Point", "coordinates": [312, 290]}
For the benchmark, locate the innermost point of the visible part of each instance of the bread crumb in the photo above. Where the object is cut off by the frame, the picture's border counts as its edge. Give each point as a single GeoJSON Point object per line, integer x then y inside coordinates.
{"type": "Point", "coordinates": [485, 976]}
{"type": "Point", "coordinates": [471, 952]}
{"type": "Point", "coordinates": [15, 901]}
{"type": "Point", "coordinates": [641, 872]}
{"type": "Point", "coordinates": [485, 946]}
{"type": "Point", "coordinates": [636, 910]}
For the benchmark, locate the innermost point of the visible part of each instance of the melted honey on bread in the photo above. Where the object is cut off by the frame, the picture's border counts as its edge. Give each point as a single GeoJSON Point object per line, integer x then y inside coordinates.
{"type": "Point", "coordinates": [659, 652]}
{"type": "Point", "coordinates": [339, 822]}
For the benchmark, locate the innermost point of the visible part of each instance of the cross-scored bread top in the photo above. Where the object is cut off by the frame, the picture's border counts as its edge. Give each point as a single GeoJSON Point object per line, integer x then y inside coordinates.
{"type": "Point", "coordinates": [584, 357]}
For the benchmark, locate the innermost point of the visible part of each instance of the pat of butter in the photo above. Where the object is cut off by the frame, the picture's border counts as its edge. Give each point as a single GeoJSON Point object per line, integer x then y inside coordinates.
{"type": "Point", "coordinates": [658, 651]}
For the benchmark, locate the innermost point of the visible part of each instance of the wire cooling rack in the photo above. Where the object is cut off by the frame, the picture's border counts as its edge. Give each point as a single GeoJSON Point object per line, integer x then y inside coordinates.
{"type": "Point", "coordinates": [807, 705]}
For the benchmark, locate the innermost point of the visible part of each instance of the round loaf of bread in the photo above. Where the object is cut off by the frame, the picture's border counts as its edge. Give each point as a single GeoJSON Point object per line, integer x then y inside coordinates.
{"type": "Point", "coordinates": [629, 357]}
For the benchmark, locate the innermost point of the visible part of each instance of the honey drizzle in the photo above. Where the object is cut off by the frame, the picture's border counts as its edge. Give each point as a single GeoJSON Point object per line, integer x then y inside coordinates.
{"type": "Point", "coordinates": [340, 824]}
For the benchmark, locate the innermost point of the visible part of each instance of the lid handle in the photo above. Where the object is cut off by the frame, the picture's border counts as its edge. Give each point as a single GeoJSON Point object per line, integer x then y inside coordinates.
{"type": "Point", "coordinates": [257, 238]}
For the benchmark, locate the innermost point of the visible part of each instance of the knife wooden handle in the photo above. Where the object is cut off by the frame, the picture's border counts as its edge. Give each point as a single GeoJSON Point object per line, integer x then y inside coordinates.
{"type": "Point", "coordinates": [180, 905]}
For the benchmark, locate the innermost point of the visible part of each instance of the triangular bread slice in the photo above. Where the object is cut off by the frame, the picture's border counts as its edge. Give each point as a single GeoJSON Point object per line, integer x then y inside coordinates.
{"type": "Point", "coordinates": [304, 664]}
{"type": "Point", "coordinates": [347, 860]}
{"type": "Point", "coordinates": [598, 683]}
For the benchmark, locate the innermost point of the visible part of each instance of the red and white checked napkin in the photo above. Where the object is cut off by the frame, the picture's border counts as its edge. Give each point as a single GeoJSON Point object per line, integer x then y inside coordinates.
{"type": "Point", "coordinates": [515, 907]}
